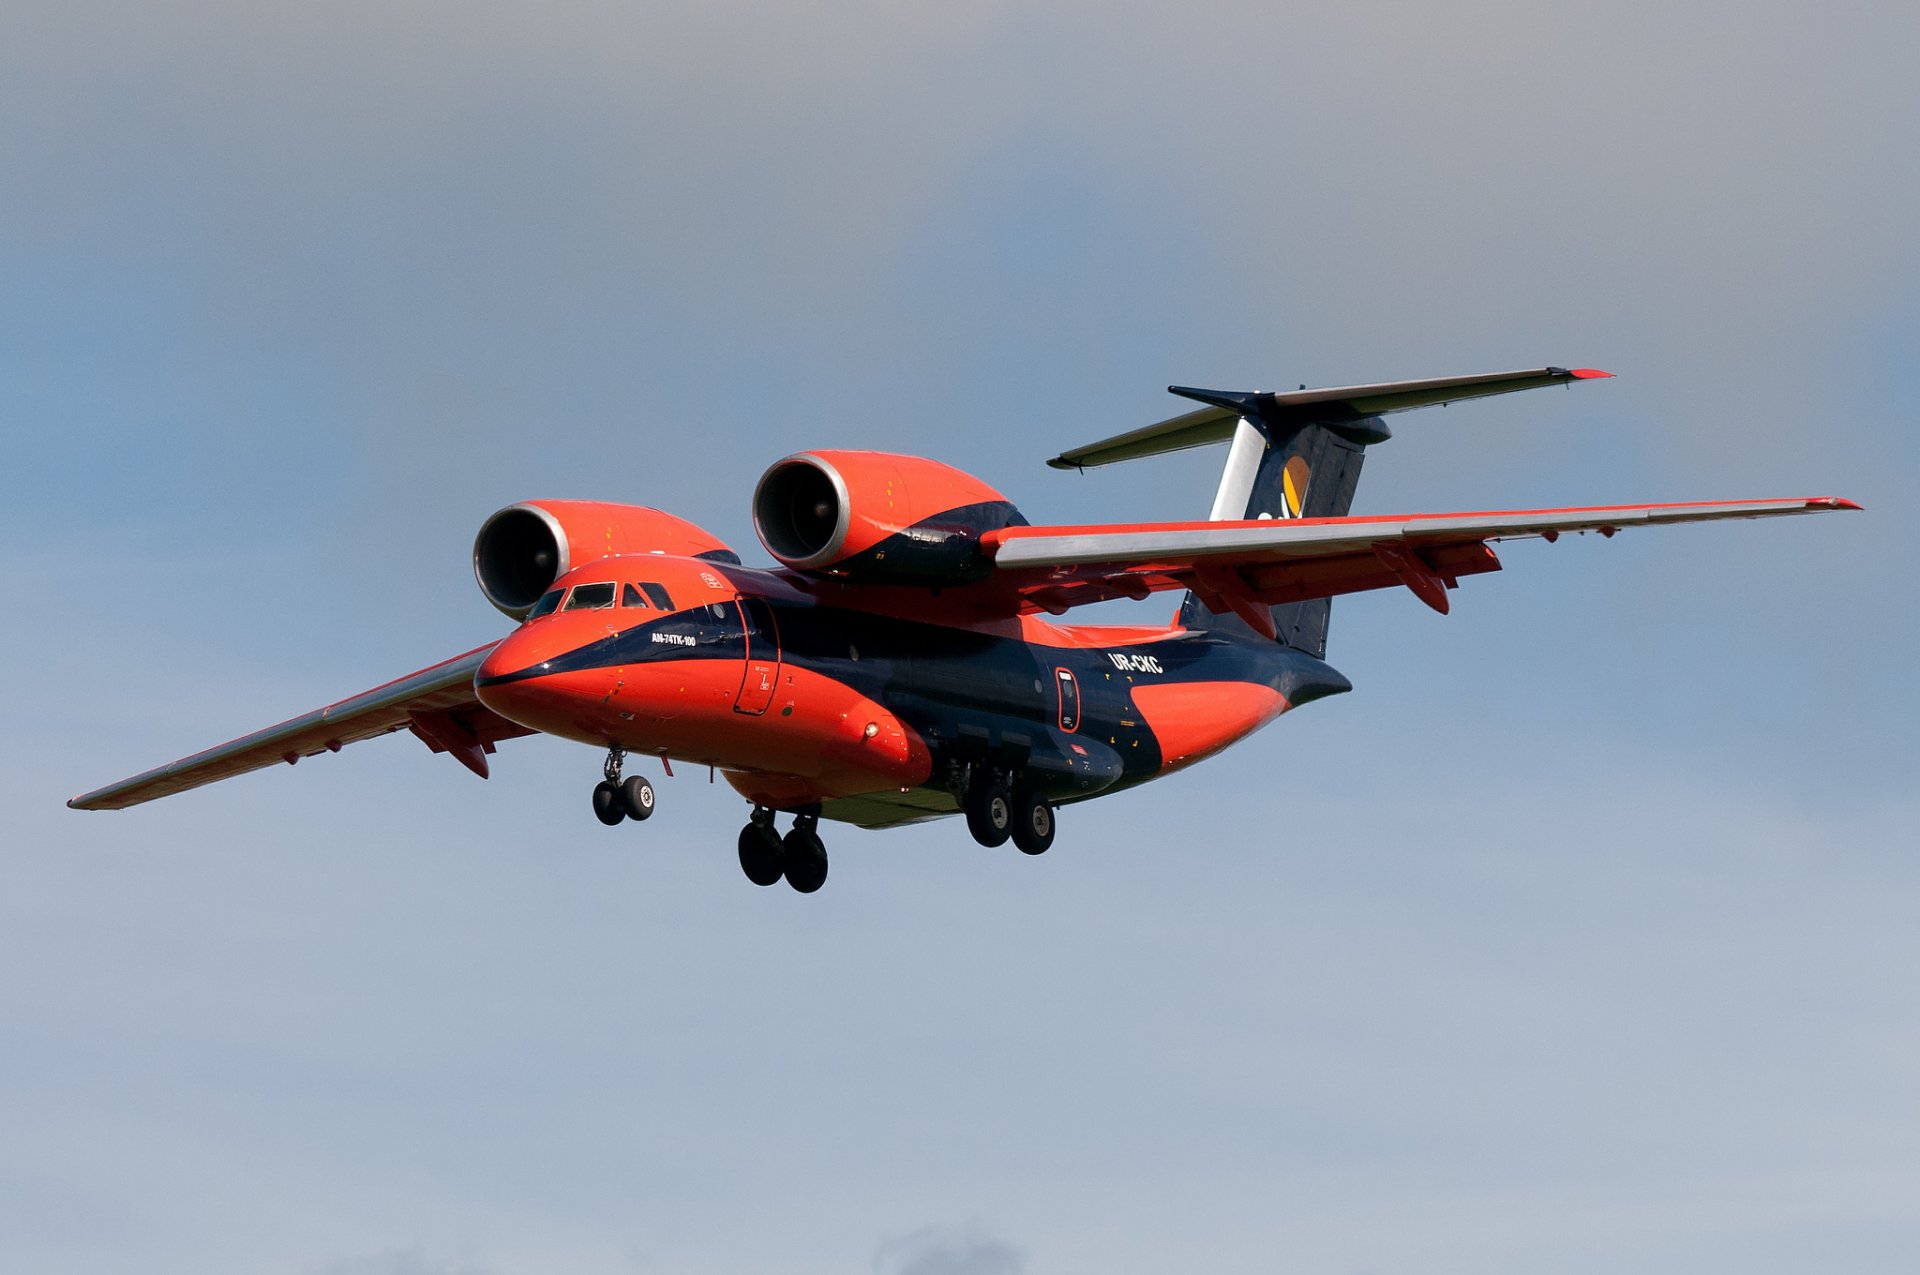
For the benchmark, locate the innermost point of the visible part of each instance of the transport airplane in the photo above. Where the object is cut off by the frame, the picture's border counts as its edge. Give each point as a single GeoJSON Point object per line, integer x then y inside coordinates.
{"type": "Point", "coordinates": [903, 661]}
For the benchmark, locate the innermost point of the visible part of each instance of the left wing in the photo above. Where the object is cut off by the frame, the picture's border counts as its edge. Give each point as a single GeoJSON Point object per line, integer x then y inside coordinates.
{"type": "Point", "coordinates": [437, 704]}
{"type": "Point", "coordinates": [1247, 566]}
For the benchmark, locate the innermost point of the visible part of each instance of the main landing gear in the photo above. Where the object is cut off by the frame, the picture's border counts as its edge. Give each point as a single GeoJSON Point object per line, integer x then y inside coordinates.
{"type": "Point", "coordinates": [800, 856]}
{"type": "Point", "coordinates": [615, 799]}
{"type": "Point", "coordinates": [998, 808]}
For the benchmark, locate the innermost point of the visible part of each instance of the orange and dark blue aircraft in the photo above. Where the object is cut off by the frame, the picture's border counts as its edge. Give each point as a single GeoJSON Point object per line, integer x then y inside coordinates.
{"type": "Point", "coordinates": [903, 661]}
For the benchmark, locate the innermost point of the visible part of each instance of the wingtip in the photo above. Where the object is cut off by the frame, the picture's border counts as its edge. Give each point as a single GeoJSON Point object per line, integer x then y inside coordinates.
{"type": "Point", "coordinates": [1839, 502]}
{"type": "Point", "coordinates": [1589, 374]}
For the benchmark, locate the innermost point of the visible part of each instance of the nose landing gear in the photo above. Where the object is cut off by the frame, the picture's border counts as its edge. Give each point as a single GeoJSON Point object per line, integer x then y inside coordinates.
{"type": "Point", "coordinates": [760, 856]}
{"type": "Point", "coordinates": [615, 799]}
{"type": "Point", "coordinates": [800, 856]}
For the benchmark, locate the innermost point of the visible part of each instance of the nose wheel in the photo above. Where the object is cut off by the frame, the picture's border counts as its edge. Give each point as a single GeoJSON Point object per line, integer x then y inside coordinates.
{"type": "Point", "coordinates": [616, 799]}
{"type": "Point", "coordinates": [800, 856]}
{"type": "Point", "coordinates": [760, 849]}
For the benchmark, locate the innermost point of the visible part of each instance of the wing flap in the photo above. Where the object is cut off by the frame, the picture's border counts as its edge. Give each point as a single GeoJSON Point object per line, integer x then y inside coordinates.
{"type": "Point", "coordinates": [436, 703]}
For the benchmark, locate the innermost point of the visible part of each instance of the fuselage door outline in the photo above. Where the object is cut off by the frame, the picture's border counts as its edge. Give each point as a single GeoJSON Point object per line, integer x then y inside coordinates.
{"type": "Point", "coordinates": [761, 676]}
{"type": "Point", "coordinates": [1068, 687]}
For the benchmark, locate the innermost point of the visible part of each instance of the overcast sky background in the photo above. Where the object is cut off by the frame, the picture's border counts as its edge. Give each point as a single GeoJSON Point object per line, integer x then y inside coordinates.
{"type": "Point", "coordinates": [1582, 936]}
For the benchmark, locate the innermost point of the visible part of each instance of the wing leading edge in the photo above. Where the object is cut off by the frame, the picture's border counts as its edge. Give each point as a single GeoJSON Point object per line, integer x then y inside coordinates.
{"type": "Point", "coordinates": [1245, 566]}
{"type": "Point", "coordinates": [437, 704]}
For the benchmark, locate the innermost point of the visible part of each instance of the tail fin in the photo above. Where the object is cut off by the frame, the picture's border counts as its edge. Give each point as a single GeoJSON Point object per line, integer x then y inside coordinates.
{"type": "Point", "coordinates": [1284, 468]}
{"type": "Point", "coordinates": [1296, 455]}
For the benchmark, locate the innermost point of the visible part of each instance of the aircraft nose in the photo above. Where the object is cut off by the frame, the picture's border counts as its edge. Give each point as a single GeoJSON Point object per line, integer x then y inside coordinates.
{"type": "Point", "coordinates": [520, 655]}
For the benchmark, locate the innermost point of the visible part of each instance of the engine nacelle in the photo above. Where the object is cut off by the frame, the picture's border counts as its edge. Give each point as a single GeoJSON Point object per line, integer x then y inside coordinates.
{"type": "Point", "coordinates": [877, 516]}
{"type": "Point", "coordinates": [524, 548]}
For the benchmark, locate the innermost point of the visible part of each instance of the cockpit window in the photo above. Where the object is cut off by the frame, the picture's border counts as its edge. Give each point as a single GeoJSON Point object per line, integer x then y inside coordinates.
{"type": "Point", "coordinates": [548, 603]}
{"type": "Point", "coordinates": [659, 595]}
{"type": "Point", "coordinates": [630, 597]}
{"type": "Point", "coordinates": [590, 597]}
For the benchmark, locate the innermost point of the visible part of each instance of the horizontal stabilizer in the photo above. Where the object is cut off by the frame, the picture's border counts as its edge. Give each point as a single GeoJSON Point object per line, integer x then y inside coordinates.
{"type": "Point", "coordinates": [1340, 405]}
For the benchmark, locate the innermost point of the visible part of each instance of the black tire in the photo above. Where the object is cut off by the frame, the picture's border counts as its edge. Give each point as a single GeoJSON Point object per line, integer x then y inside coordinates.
{"type": "Point", "coordinates": [761, 854]}
{"type": "Point", "coordinates": [636, 797]}
{"type": "Point", "coordinates": [1032, 823]}
{"type": "Point", "coordinates": [990, 814]}
{"type": "Point", "coordinates": [805, 859]}
{"type": "Point", "coordinates": [607, 807]}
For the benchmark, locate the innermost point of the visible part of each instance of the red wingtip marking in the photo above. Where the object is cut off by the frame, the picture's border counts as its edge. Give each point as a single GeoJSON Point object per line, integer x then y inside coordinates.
{"type": "Point", "coordinates": [1589, 374]}
{"type": "Point", "coordinates": [1837, 502]}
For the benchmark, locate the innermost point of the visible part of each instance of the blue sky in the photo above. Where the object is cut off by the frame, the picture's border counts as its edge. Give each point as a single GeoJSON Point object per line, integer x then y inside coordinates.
{"type": "Point", "coordinates": [1581, 936]}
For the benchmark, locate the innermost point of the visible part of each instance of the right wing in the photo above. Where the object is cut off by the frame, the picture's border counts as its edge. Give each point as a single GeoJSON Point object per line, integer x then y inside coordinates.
{"type": "Point", "coordinates": [1247, 566]}
{"type": "Point", "coordinates": [437, 704]}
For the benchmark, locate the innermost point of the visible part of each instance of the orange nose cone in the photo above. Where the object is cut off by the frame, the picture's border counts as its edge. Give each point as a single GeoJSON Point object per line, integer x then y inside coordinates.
{"type": "Point", "coordinates": [525, 652]}
{"type": "Point", "coordinates": [514, 655]}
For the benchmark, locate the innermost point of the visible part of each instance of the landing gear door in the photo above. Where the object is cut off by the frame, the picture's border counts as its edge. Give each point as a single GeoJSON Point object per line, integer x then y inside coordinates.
{"type": "Point", "coordinates": [1069, 688]}
{"type": "Point", "coordinates": [762, 674]}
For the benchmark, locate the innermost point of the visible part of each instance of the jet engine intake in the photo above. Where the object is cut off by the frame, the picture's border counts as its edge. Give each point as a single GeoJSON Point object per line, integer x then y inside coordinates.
{"type": "Point", "coordinates": [879, 517]}
{"type": "Point", "coordinates": [524, 548]}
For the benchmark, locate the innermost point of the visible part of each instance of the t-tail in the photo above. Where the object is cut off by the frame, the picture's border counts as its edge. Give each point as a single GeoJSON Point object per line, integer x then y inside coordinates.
{"type": "Point", "coordinates": [1294, 454]}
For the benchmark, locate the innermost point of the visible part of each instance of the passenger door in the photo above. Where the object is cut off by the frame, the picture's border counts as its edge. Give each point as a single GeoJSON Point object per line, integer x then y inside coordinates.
{"type": "Point", "coordinates": [762, 675]}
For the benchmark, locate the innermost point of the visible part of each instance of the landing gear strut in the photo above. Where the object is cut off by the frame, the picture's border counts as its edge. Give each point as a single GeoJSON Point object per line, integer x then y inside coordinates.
{"type": "Point", "coordinates": [615, 798]}
{"type": "Point", "coordinates": [800, 856]}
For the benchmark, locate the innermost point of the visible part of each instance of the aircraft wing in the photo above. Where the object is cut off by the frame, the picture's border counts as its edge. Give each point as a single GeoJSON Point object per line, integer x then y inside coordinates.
{"type": "Point", "coordinates": [437, 704]}
{"type": "Point", "coordinates": [1247, 566]}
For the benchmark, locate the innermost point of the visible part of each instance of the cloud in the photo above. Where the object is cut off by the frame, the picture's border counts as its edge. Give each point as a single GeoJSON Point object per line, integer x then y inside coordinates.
{"type": "Point", "coordinates": [401, 1262]}
{"type": "Point", "coordinates": [949, 1250]}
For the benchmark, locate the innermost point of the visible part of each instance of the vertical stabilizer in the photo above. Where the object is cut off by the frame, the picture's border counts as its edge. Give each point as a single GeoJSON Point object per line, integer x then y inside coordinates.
{"type": "Point", "coordinates": [1295, 454]}
{"type": "Point", "coordinates": [1284, 465]}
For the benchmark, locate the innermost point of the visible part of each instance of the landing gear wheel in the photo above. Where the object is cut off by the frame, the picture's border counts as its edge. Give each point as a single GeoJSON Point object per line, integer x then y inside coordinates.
{"type": "Point", "coordinates": [761, 854]}
{"type": "Point", "coordinates": [990, 814]}
{"type": "Point", "coordinates": [606, 803]}
{"type": "Point", "coordinates": [636, 797]}
{"type": "Point", "coordinates": [804, 856]}
{"type": "Point", "coordinates": [1032, 823]}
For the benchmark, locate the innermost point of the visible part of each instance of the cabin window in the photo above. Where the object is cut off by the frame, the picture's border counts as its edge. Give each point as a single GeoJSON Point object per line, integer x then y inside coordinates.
{"type": "Point", "coordinates": [630, 597]}
{"type": "Point", "coordinates": [659, 595]}
{"type": "Point", "coordinates": [590, 597]}
{"type": "Point", "coordinates": [549, 602]}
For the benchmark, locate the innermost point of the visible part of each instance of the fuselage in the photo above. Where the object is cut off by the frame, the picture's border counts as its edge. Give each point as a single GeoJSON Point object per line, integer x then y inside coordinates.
{"type": "Point", "coordinates": [873, 703]}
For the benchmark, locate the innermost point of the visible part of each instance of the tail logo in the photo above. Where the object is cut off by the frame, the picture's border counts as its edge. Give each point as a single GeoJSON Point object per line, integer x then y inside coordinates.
{"type": "Point", "coordinates": [1293, 484]}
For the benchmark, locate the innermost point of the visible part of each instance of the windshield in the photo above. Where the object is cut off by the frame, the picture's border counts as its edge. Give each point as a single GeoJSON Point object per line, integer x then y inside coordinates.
{"type": "Point", "coordinates": [590, 597]}
{"type": "Point", "coordinates": [546, 604]}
